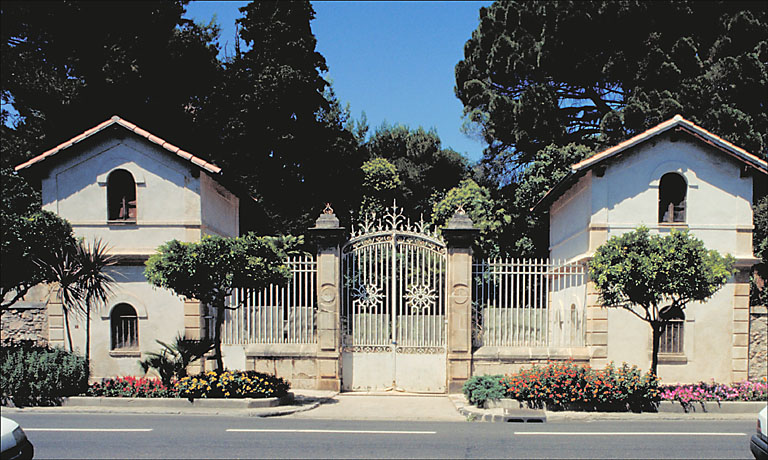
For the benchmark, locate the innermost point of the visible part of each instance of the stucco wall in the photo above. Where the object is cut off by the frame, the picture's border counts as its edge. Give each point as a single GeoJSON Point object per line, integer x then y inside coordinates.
{"type": "Point", "coordinates": [160, 317]}
{"type": "Point", "coordinates": [707, 340]}
{"type": "Point", "coordinates": [718, 211]}
{"type": "Point", "coordinates": [220, 208]}
{"type": "Point", "coordinates": [718, 201]}
{"type": "Point", "coordinates": [175, 200]}
{"type": "Point", "coordinates": [569, 221]}
{"type": "Point", "coordinates": [167, 194]}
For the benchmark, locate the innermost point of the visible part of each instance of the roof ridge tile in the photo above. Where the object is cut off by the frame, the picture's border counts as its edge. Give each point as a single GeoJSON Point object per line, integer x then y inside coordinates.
{"type": "Point", "coordinates": [210, 167]}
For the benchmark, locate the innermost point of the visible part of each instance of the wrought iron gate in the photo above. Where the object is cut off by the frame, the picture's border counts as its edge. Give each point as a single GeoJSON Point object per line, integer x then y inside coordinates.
{"type": "Point", "coordinates": [393, 307]}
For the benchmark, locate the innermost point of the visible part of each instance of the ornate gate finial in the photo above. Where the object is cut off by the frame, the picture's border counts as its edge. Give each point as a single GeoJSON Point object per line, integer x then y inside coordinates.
{"type": "Point", "coordinates": [328, 209]}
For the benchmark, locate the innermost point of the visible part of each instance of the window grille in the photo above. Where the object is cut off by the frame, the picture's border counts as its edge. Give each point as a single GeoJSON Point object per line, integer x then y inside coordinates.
{"type": "Point", "coordinates": [125, 327]}
{"type": "Point", "coordinates": [672, 337]}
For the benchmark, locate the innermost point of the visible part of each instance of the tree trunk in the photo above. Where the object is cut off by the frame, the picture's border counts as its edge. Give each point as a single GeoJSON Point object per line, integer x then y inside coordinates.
{"type": "Point", "coordinates": [657, 327]}
{"type": "Point", "coordinates": [88, 336]}
{"type": "Point", "coordinates": [219, 306]}
{"type": "Point", "coordinates": [66, 326]}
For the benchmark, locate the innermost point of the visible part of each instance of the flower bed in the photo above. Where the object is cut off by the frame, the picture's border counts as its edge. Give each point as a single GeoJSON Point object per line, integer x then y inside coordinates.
{"type": "Point", "coordinates": [566, 386]}
{"type": "Point", "coordinates": [131, 387]}
{"type": "Point", "coordinates": [227, 384]}
{"type": "Point", "coordinates": [703, 392]}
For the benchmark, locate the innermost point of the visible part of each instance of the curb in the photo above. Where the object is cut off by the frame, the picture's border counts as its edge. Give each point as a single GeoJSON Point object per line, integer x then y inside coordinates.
{"type": "Point", "coordinates": [267, 407]}
{"type": "Point", "coordinates": [668, 410]}
{"type": "Point", "coordinates": [176, 403]}
{"type": "Point", "coordinates": [475, 414]}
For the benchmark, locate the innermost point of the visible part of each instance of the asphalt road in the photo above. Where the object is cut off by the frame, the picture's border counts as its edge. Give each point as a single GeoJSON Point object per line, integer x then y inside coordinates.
{"type": "Point", "coordinates": [199, 436]}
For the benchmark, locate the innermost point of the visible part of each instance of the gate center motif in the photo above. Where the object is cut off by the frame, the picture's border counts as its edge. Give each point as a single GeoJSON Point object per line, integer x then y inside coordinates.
{"type": "Point", "coordinates": [393, 286]}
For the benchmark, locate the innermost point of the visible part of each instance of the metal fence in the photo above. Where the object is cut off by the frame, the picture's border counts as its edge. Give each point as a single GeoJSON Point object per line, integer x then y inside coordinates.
{"type": "Point", "coordinates": [276, 314]}
{"type": "Point", "coordinates": [528, 303]}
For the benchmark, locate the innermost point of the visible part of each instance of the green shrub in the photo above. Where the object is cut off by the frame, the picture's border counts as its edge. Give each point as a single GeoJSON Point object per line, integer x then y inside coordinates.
{"type": "Point", "coordinates": [232, 384]}
{"type": "Point", "coordinates": [564, 385]}
{"type": "Point", "coordinates": [37, 376]}
{"type": "Point", "coordinates": [131, 387]}
{"type": "Point", "coordinates": [480, 388]}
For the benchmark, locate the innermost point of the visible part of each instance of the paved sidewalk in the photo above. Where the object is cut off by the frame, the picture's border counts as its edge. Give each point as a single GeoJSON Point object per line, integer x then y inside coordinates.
{"type": "Point", "coordinates": [386, 406]}
{"type": "Point", "coordinates": [316, 404]}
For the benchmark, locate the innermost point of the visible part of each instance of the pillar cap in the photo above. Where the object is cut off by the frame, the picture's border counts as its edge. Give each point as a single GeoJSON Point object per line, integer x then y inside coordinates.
{"type": "Point", "coordinates": [327, 230]}
{"type": "Point", "coordinates": [460, 230]}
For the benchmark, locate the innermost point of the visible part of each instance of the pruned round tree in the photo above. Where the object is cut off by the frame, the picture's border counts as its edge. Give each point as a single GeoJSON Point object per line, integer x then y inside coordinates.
{"type": "Point", "coordinates": [654, 277]}
{"type": "Point", "coordinates": [210, 269]}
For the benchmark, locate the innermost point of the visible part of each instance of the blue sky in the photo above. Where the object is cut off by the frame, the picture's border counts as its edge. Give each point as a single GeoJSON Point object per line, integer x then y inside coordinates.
{"type": "Point", "coordinates": [393, 60]}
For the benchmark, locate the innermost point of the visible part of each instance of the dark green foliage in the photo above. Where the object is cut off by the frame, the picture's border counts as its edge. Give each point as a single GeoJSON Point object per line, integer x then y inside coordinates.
{"type": "Point", "coordinates": [380, 183]}
{"type": "Point", "coordinates": [485, 212]}
{"type": "Point", "coordinates": [480, 388]}
{"type": "Point", "coordinates": [30, 237]}
{"type": "Point", "coordinates": [280, 128]}
{"type": "Point", "coordinates": [35, 376]}
{"type": "Point", "coordinates": [537, 73]}
{"type": "Point", "coordinates": [70, 65]}
{"type": "Point", "coordinates": [426, 170]}
{"type": "Point", "coordinates": [654, 277]}
{"type": "Point", "coordinates": [758, 294]}
{"type": "Point", "coordinates": [208, 270]}
{"type": "Point", "coordinates": [174, 358]}
{"type": "Point", "coordinates": [530, 229]}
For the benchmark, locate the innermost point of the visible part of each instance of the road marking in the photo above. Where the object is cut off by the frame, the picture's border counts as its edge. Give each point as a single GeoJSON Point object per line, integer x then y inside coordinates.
{"type": "Point", "coordinates": [267, 430]}
{"type": "Point", "coordinates": [629, 433]}
{"type": "Point", "coordinates": [115, 430]}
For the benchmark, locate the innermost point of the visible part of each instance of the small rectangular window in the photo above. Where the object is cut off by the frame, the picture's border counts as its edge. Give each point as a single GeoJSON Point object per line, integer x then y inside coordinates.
{"type": "Point", "coordinates": [672, 338]}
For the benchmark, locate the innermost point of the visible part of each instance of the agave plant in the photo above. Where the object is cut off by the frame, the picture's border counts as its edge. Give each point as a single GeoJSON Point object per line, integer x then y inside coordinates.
{"type": "Point", "coordinates": [174, 358]}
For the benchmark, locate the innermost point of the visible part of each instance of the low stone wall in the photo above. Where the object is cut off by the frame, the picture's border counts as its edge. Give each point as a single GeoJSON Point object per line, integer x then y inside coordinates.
{"type": "Point", "coordinates": [296, 363]}
{"type": "Point", "coordinates": [503, 360]}
{"type": "Point", "coordinates": [27, 324]}
{"type": "Point", "coordinates": [758, 343]}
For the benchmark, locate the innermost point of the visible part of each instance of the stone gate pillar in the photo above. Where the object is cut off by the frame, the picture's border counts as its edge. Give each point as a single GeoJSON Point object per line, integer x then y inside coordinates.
{"type": "Point", "coordinates": [328, 235]}
{"type": "Point", "coordinates": [459, 235]}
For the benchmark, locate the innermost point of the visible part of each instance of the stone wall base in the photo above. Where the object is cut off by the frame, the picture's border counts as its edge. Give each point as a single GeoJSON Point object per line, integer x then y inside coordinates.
{"type": "Point", "coordinates": [758, 343]}
{"type": "Point", "coordinates": [24, 325]}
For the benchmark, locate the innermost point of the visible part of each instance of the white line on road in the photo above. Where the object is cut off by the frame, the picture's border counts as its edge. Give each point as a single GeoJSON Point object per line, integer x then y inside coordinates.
{"type": "Point", "coordinates": [616, 433]}
{"type": "Point", "coordinates": [265, 430]}
{"type": "Point", "coordinates": [115, 430]}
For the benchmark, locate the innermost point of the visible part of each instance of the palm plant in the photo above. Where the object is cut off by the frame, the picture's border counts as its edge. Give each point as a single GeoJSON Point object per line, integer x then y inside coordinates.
{"type": "Point", "coordinates": [83, 283]}
{"type": "Point", "coordinates": [96, 284]}
{"type": "Point", "coordinates": [63, 268]}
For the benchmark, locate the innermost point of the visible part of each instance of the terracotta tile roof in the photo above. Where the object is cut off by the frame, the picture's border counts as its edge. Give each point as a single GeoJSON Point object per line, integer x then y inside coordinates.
{"type": "Point", "coordinates": [676, 122]}
{"type": "Point", "coordinates": [211, 168]}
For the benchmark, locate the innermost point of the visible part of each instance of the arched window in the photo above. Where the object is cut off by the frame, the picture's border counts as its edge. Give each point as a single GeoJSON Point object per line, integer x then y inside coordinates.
{"type": "Point", "coordinates": [672, 191]}
{"type": "Point", "coordinates": [121, 196]}
{"type": "Point", "coordinates": [125, 327]}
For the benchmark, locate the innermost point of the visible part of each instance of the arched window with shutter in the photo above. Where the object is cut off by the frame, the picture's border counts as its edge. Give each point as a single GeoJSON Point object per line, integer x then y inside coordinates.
{"type": "Point", "coordinates": [121, 196]}
{"type": "Point", "coordinates": [672, 194]}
